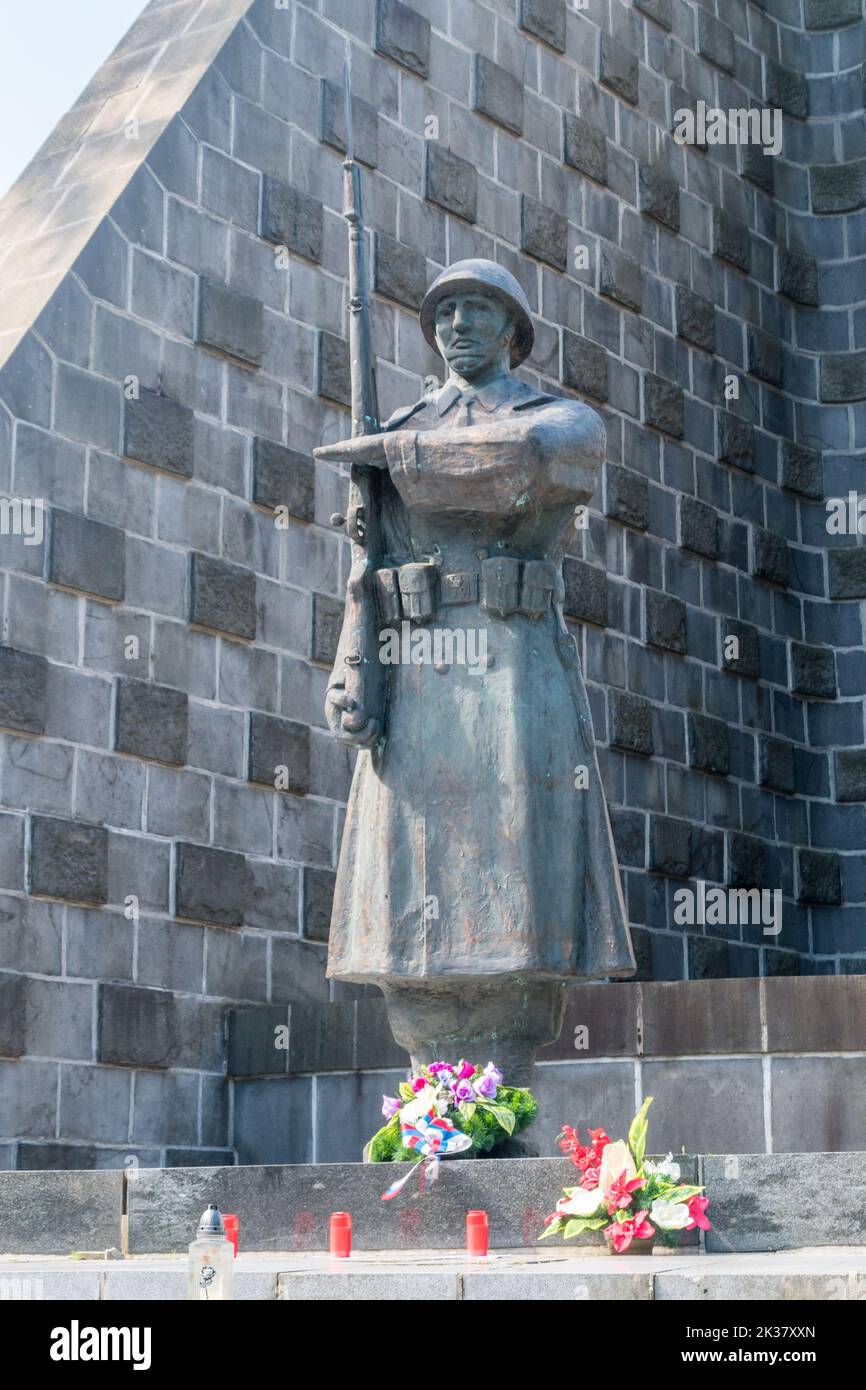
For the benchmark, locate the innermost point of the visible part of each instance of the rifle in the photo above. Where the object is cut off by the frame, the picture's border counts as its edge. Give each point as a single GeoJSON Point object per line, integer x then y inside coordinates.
{"type": "Point", "coordinates": [357, 667]}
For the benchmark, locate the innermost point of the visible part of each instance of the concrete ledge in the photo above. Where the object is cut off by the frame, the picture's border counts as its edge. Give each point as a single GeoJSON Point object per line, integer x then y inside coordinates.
{"type": "Point", "coordinates": [58, 1212]}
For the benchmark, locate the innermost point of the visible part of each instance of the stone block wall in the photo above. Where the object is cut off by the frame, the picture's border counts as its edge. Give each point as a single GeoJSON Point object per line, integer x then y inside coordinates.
{"type": "Point", "coordinates": [173, 346]}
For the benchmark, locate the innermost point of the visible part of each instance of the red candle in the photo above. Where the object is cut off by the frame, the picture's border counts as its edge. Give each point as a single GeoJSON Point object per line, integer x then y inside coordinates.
{"type": "Point", "coordinates": [341, 1235]}
{"type": "Point", "coordinates": [477, 1233]}
{"type": "Point", "coordinates": [232, 1226]}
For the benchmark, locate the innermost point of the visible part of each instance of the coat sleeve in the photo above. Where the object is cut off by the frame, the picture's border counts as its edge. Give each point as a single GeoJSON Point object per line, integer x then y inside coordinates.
{"type": "Point", "coordinates": [550, 454]}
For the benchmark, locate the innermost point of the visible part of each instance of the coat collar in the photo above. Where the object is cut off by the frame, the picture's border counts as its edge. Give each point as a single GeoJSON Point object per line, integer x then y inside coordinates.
{"type": "Point", "coordinates": [507, 391]}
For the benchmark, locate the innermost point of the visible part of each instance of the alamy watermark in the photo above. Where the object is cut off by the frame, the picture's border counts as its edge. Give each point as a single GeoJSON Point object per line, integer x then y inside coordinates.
{"type": "Point", "coordinates": [437, 646]}
{"type": "Point", "coordinates": [23, 516]}
{"type": "Point", "coordinates": [740, 125]}
{"type": "Point", "coordinates": [729, 907]}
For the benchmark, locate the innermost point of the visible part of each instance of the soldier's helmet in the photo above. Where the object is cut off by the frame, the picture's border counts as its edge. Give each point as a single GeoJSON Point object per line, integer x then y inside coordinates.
{"type": "Point", "coordinates": [489, 278]}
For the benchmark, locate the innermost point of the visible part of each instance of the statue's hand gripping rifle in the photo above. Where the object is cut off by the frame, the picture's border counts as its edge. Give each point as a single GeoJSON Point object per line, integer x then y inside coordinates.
{"type": "Point", "coordinates": [356, 690]}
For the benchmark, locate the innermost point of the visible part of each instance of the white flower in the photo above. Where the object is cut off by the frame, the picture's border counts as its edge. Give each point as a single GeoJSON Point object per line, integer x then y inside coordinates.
{"type": "Point", "coordinates": [669, 1216]}
{"type": "Point", "coordinates": [666, 1169]}
{"type": "Point", "coordinates": [581, 1202]}
{"type": "Point", "coordinates": [615, 1160]}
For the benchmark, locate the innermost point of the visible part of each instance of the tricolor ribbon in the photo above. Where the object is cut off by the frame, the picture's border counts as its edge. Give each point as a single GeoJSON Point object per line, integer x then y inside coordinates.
{"type": "Point", "coordinates": [427, 1135]}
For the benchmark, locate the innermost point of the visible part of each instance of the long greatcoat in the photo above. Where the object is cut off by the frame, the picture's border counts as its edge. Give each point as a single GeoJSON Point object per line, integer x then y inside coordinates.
{"type": "Point", "coordinates": [472, 847]}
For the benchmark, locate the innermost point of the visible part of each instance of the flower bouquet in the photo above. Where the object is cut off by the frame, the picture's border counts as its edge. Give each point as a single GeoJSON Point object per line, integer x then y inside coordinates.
{"type": "Point", "coordinates": [622, 1193]}
{"type": "Point", "coordinates": [471, 1103]}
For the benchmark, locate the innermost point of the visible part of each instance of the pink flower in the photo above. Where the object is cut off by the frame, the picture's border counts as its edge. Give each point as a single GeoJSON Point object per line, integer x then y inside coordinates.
{"type": "Point", "coordinates": [463, 1091]}
{"type": "Point", "coordinates": [418, 1084]}
{"type": "Point", "coordinates": [620, 1190]}
{"type": "Point", "coordinates": [589, 1179]}
{"type": "Point", "coordinates": [464, 1070]}
{"type": "Point", "coordinates": [390, 1106]}
{"type": "Point", "coordinates": [622, 1233]}
{"type": "Point", "coordinates": [697, 1208]}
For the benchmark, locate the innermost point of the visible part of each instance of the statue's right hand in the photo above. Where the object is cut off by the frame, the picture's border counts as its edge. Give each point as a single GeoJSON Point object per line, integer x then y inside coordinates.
{"type": "Point", "coordinates": [347, 719]}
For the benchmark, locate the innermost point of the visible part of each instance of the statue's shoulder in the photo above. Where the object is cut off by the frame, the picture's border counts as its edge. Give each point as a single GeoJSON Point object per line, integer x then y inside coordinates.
{"type": "Point", "coordinates": [405, 413]}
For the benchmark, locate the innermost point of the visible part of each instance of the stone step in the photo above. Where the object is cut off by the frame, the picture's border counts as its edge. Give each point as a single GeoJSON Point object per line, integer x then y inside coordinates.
{"type": "Point", "coordinates": [820, 1274]}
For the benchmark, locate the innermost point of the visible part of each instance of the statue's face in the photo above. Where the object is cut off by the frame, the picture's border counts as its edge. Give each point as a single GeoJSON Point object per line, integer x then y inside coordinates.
{"type": "Point", "coordinates": [474, 332]}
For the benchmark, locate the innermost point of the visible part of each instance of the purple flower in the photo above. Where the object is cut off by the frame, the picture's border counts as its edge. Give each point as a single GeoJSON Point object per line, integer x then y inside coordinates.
{"type": "Point", "coordinates": [494, 1072]}
{"type": "Point", "coordinates": [463, 1091]}
{"type": "Point", "coordinates": [436, 1067]}
{"type": "Point", "coordinates": [464, 1070]}
{"type": "Point", "coordinates": [390, 1106]}
{"type": "Point", "coordinates": [486, 1087]}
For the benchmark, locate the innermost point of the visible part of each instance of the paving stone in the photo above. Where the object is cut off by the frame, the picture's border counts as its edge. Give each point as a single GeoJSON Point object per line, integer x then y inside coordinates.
{"type": "Point", "coordinates": [292, 218]}
{"type": "Point", "coordinates": [736, 441]}
{"type": "Point", "coordinates": [159, 431]}
{"type": "Point", "coordinates": [87, 555]}
{"type": "Point", "coordinates": [659, 196]}
{"type": "Point", "coordinates": [847, 573]}
{"type": "Point", "coordinates": [586, 591]}
{"type": "Point", "coordinates": [399, 271]}
{"type": "Point", "coordinates": [151, 721]}
{"type": "Point", "coordinates": [222, 596]}
{"type": "Point", "coordinates": [23, 690]}
{"type": "Point", "coordinates": [699, 527]}
{"type": "Point", "coordinates": [851, 774]}
{"type": "Point", "coordinates": [68, 860]}
{"type": "Point", "coordinates": [544, 19]}
{"type": "Point", "coordinates": [708, 744]}
{"type": "Point", "coordinates": [585, 148]}
{"type": "Point", "coordinates": [543, 232]}
{"type": "Point", "coordinates": [696, 319]}
{"type": "Point", "coordinates": [802, 469]}
{"type": "Point", "coordinates": [665, 621]}
{"type": "Point", "coordinates": [276, 744]}
{"type": "Point", "coordinates": [230, 322]}
{"type": "Point", "coordinates": [770, 557]}
{"type": "Point", "coordinates": [618, 68]}
{"type": "Point", "coordinates": [819, 878]}
{"type": "Point", "coordinates": [497, 94]}
{"type": "Point", "coordinates": [620, 278]}
{"type": "Point", "coordinates": [403, 35]}
{"type": "Point", "coordinates": [584, 366]}
{"type": "Point", "coordinates": [631, 723]}
{"type": "Point", "coordinates": [211, 885]}
{"type": "Point", "coordinates": [731, 240]}
{"type": "Point", "coordinates": [798, 277]}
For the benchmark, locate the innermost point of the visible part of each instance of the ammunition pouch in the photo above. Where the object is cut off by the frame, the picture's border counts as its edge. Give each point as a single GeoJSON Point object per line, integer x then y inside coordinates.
{"type": "Point", "coordinates": [503, 585]}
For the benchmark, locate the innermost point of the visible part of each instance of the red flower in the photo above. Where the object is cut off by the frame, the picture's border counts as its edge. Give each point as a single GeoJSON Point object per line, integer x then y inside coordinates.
{"type": "Point", "coordinates": [599, 1139]}
{"type": "Point", "coordinates": [697, 1208]}
{"type": "Point", "coordinates": [619, 1194]}
{"type": "Point", "coordinates": [622, 1233]}
{"type": "Point", "coordinates": [589, 1179]}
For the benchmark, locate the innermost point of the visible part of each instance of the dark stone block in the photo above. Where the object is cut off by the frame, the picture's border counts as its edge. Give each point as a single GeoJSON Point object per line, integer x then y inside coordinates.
{"type": "Point", "coordinates": [586, 593]}
{"type": "Point", "coordinates": [87, 555]}
{"type": "Point", "coordinates": [403, 35]}
{"type": "Point", "coordinates": [151, 721]}
{"type": "Point", "coordinates": [585, 148]}
{"type": "Point", "coordinates": [497, 94]}
{"type": "Point", "coordinates": [843, 376]}
{"type": "Point", "coordinates": [813, 671]}
{"type": "Point", "coordinates": [819, 878]}
{"type": "Point", "coordinates": [715, 41]}
{"type": "Point", "coordinates": [211, 885]}
{"type": "Point", "coordinates": [663, 405]}
{"type": "Point", "coordinates": [543, 232]}
{"type": "Point", "coordinates": [665, 621]}
{"type": "Point", "coordinates": [838, 187]}
{"type": "Point", "coordinates": [758, 168]}
{"type": "Point", "coordinates": [51, 1213]}
{"type": "Point", "coordinates": [291, 218]}
{"type": "Point", "coordinates": [659, 196]}
{"type": "Point", "coordinates": [365, 124]}
{"type": "Point", "coordinates": [802, 469]}
{"type": "Point", "coordinates": [748, 660]}
{"type": "Point", "coordinates": [696, 319]}
{"type": "Point", "coordinates": [135, 1027]}
{"type": "Point", "coordinates": [745, 861]}
{"type": "Point", "coordinates": [318, 902]}
{"type": "Point", "coordinates": [252, 1049]}
{"type": "Point", "coordinates": [374, 1042]}
{"type": "Point", "coordinates": [787, 89]}
{"type": "Point", "coordinates": [277, 744]}
{"type": "Point", "coordinates": [399, 271]}
{"type": "Point", "coordinates": [618, 68]}
{"type": "Point", "coordinates": [23, 683]}
{"type": "Point", "coordinates": [847, 571]}
{"type": "Point", "coordinates": [851, 774]}
{"type": "Point", "coordinates": [597, 1023]}
{"type": "Point", "coordinates": [776, 764]}
{"type": "Point", "coordinates": [690, 1017]}
{"type": "Point", "coordinates": [230, 322]}
{"type": "Point", "coordinates": [765, 356]}
{"type": "Point", "coordinates": [631, 723]}
{"type": "Point", "coordinates": [798, 277]}
{"type": "Point", "coordinates": [620, 278]}
{"type": "Point", "coordinates": [12, 1015]}
{"type": "Point", "coordinates": [334, 376]}
{"type": "Point", "coordinates": [584, 366]}
{"type": "Point", "coordinates": [322, 1037]}
{"type": "Point", "coordinates": [816, 1014]}
{"type": "Point", "coordinates": [770, 559]}
{"type": "Point", "coordinates": [659, 10]}
{"type": "Point", "coordinates": [830, 14]}
{"type": "Point", "coordinates": [545, 19]}
{"type": "Point", "coordinates": [327, 624]}
{"type": "Point", "coordinates": [708, 744]}
{"type": "Point", "coordinates": [731, 240]}
{"type": "Point", "coordinates": [736, 441]}
{"type": "Point", "coordinates": [222, 596]}
{"type": "Point", "coordinates": [68, 860]}
{"type": "Point", "coordinates": [629, 837]}
{"type": "Point", "coordinates": [450, 181]}
{"type": "Point", "coordinates": [669, 846]}
{"type": "Point", "coordinates": [627, 496]}
{"type": "Point", "coordinates": [159, 431]}
{"type": "Point", "coordinates": [283, 478]}
{"type": "Point", "coordinates": [699, 527]}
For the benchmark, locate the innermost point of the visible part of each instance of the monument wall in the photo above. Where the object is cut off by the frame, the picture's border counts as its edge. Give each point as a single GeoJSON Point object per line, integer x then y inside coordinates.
{"type": "Point", "coordinates": [173, 346]}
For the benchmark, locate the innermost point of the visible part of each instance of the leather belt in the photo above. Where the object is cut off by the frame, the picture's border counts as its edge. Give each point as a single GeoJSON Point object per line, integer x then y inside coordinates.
{"type": "Point", "coordinates": [503, 585]}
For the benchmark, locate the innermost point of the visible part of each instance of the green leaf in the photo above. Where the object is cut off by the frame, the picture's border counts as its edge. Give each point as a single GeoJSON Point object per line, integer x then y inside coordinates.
{"type": "Point", "coordinates": [504, 1116]}
{"type": "Point", "coordinates": [466, 1108]}
{"type": "Point", "coordinates": [637, 1132]}
{"type": "Point", "coordinates": [406, 1091]}
{"type": "Point", "coordinates": [682, 1194]}
{"type": "Point", "coordinates": [553, 1229]}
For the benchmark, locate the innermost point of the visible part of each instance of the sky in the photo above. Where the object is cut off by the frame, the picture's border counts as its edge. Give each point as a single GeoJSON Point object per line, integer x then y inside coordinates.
{"type": "Point", "coordinates": [49, 50]}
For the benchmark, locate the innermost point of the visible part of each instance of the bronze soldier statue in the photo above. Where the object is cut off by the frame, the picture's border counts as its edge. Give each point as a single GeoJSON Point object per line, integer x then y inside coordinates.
{"type": "Point", "coordinates": [477, 874]}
